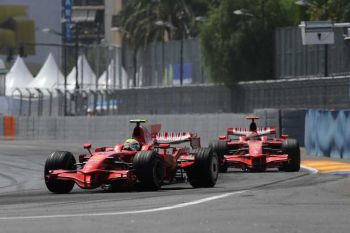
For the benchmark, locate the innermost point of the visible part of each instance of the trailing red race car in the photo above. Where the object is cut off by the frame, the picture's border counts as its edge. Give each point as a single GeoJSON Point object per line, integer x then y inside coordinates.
{"type": "Point", "coordinates": [254, 150]}
{"type": "Point", "coordinates": [148, 158]}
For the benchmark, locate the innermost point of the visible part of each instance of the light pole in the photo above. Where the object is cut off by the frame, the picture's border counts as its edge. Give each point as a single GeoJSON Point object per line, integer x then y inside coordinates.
{"type": "Point", "coordinates": [305, 3]}
{"type": "Point", "coordinates": [201, 19]}
{"type": "Point", "coordinates": [161, 24]}
{"type": "Point", "coordinates": [113, 53]}
{"type": "Point", "coordinates": [181, 58]}
{"type": "Point", "coordinates": [76, 57]}
{"type": "Point", "coordinates": [246, 12]}
{"type": "Point", "coordinates": [119, 57]}
{"type": "Point", "coordinates": [243, 12]}
{"type": "Point", "coordinates": [49, 30]}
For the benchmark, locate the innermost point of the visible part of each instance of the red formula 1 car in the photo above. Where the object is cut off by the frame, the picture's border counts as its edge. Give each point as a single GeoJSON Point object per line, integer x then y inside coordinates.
{"type": "Point", "coordinates": [254, 150]}
{"type": "Point", "coordinates": [156, 160]}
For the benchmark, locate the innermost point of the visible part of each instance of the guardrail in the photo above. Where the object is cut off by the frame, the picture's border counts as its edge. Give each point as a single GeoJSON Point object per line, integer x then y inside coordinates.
{"type": "Point", "coordinates": [306, 93]}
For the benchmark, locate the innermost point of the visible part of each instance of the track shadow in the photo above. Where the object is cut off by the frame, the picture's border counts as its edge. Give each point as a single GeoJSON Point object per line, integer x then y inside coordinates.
{"type": "Point", "coordinates": [239, 171]}
{"type": "Point", "coordinates": [175, 188]}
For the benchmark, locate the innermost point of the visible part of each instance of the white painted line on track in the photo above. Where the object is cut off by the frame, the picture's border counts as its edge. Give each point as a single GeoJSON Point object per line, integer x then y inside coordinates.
{"type": "Point", "coordinates": [310, 169]}
{"type": "Point", "coordinates": [177, 206]}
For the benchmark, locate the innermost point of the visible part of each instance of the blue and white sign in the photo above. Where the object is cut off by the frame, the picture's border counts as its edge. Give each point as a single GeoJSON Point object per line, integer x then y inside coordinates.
{"type": "Point", "coordinates": [67, 8]}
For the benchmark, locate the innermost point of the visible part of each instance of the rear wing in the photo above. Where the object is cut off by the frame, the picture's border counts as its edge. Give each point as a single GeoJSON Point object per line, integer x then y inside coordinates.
{"type": "Point", "coordinates": [247, 133]}
{"type": "Point", "coordinates": [153, 129]}
{"type": "Point", "coordinates": [177, 138]}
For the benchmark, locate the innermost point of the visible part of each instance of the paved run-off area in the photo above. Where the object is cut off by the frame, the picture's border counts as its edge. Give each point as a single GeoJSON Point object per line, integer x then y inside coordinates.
{"type": "Point", "coordinates": [270, 201]}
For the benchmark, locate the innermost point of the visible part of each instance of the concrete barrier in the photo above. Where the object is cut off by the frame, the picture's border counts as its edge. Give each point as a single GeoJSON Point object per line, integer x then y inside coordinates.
{"type": "Point", "coordinates": [117, 128]}
{"type": "Point", "coordinates": [325, 133]}
{"type": "Point", "coordinates": [292, 122]}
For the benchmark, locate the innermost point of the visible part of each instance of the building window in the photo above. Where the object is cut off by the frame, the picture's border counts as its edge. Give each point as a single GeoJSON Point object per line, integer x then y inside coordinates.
{"type": "Point", "coordinates": [88, 3]}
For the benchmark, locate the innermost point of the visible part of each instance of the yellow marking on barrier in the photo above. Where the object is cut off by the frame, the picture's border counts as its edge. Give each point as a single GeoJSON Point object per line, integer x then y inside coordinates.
{"type": "Point", "coordinates": [326, 165]}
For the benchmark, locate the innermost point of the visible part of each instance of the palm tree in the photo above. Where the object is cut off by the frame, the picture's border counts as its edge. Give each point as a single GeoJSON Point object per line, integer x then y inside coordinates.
{"type": "Point", "coordinates": [138, 19]}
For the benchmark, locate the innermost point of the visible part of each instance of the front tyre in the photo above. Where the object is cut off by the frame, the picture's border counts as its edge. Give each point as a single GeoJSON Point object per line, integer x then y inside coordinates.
{"type": "Point", "coordinates": [149, 169]}
{"type": "Point", "coordinates": [219, 147]}
{"type": "Point", "coordinates": [204, 172]}
{"type": "Point", "coordinates": [59, 160]}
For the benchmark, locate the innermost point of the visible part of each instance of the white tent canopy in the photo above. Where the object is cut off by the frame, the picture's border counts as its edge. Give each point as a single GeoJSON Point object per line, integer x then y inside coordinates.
{"type": "Point", "coordinates": [18, 77]}
{"type": "Point", "coordinates": [86, 76]}
{"type": "Point", "coordinates": [113, 73]}
{"type": "Point", "coordinates": [49, 75]}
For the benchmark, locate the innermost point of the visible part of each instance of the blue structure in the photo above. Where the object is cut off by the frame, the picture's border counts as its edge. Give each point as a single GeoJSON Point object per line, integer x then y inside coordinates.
{"type": "Point", "coordinates": [327, 133]}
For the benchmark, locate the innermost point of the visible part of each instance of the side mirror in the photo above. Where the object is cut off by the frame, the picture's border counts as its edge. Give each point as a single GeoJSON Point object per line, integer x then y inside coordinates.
{"type": "Point", "coordinates": [87, 146]}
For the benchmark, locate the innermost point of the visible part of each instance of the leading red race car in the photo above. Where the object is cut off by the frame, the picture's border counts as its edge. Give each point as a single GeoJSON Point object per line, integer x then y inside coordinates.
{"type": "Point", "coordinates": [254, 149]}
{"type": "Point", "coordinates": [157, 160]}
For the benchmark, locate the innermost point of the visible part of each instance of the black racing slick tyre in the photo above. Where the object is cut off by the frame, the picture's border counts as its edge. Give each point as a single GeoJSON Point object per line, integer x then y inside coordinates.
{"type": "Point", "coordinates": [204, 172]}
{"type": "Point", "coordinates": [59, 160]}
{"type": "Point", "coordinates": [220, 148]}
{"type": "Point", "coordinates": [149, 169]}
{"type": "Point", "coordinates": [291, 147]}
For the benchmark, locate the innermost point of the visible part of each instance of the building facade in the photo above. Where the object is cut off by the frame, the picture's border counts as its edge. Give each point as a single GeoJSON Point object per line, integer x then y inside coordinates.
{"type": "Point", "coordinates": [97, 21]}
{"type": "Point", "coordinates": [44, 14]}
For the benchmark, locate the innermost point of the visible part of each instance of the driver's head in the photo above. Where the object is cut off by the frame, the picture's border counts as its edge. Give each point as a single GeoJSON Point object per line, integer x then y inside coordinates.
{"type": "Point", "coordinates": [252, 126]}
{"type": "Point", "coordinates": [131, 144]}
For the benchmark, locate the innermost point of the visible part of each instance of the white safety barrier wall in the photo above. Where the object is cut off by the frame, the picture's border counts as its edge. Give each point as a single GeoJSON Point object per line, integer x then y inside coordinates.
{"type": "Point", "coordinates": [115, 129]}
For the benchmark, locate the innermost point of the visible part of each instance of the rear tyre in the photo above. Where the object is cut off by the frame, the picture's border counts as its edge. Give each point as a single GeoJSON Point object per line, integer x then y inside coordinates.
{"type": "Point", "coordinates": [220, 148]}
{"type": "Point", "coordinates": [204, 172]}
{"type": "Point", "coordinates": [59, 160]}
{"type": "Point", "coordinates": [291, 147]}
{"type": "Point", "coordinates": [149, 169]}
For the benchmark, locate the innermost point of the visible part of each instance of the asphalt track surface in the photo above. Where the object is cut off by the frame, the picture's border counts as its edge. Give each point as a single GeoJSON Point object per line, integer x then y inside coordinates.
{"type": "Point", "coordinates": [241, 202]}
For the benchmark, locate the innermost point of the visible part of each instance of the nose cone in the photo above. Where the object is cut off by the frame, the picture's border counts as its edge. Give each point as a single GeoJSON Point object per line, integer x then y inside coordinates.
{"type": "Point", "coordinates": [255, 148]}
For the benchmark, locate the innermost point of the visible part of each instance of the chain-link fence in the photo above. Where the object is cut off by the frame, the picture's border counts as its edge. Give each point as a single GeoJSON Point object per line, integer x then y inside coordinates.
{"type": "Point", "coordinates": [167, 100]}
{"type": "Point", "coordinates": [293, 59]}
{"type": "Point", "coordinates": [325, 93]}
{"type": "Point", "coordinates": [159, 63]}
{"type": "Point", "coordinates": [104, 60]}
{"type": "Point", "coordinates": [157, 88]}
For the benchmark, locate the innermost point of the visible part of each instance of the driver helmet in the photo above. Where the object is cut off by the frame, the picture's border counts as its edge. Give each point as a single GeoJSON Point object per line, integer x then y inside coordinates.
{"type": "Point", "coordinates": [252, 127]}
{"type": "Point", "coordinates": [131, 144]}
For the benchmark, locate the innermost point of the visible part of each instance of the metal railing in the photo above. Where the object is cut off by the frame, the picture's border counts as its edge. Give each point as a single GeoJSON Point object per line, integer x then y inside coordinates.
{"type": "Point", "coordinates": [324, 93]}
